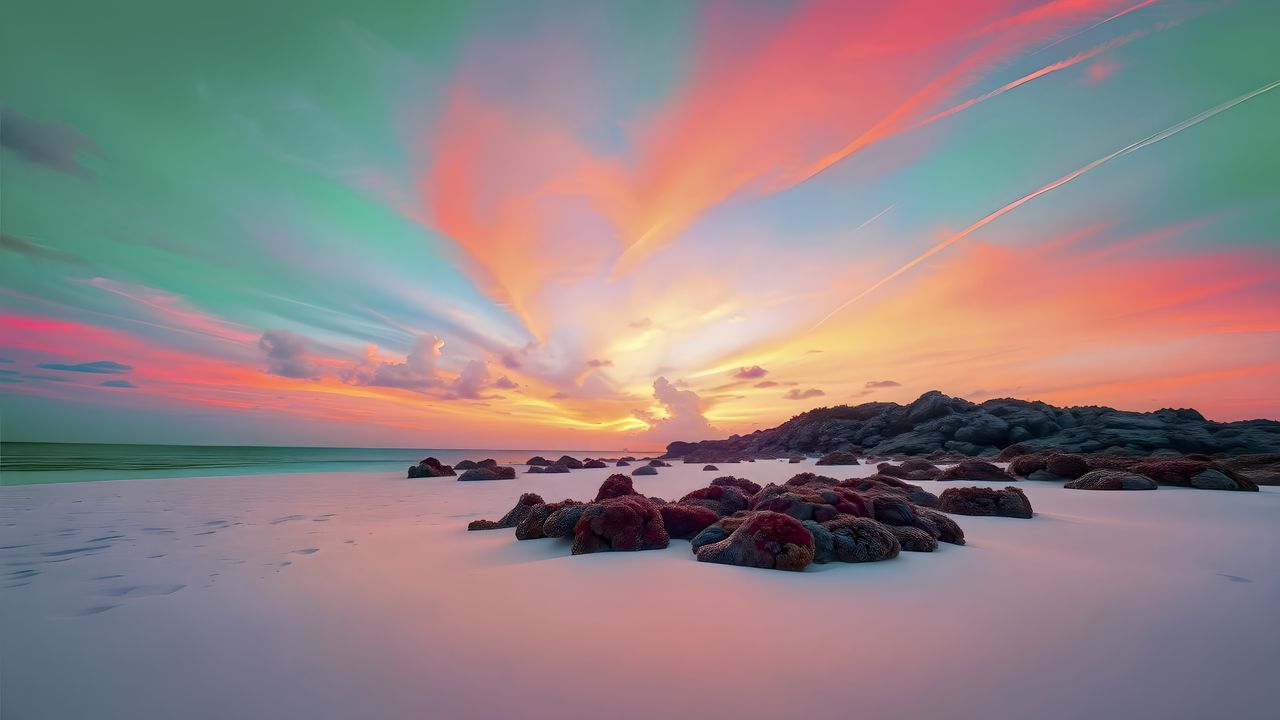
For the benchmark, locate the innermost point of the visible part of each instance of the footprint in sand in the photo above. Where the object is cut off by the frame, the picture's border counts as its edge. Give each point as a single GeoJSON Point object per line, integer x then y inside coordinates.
{"type": "Point", "coordinates": [287, 518]}
{"type": "Point", "coordinates": [141, 590]}
{"type": "Point", "coordinates": [306, 551]}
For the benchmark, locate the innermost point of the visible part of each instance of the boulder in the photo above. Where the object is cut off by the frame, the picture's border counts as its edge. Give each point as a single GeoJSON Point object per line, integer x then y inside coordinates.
{"type": "Point", "coordinates": [629, 522]}
{"type": "Point", "coordinates": [1204, 474]}
{"type": "Point", "coordinates": [913, 539]}
{"type": "Point", "coordinates": [795, 459]}
{"type": "Point", "coordinates": [571, 463]}
{"type": "Point", "coordinates": [513, 516]}
{"type": "Point", "coordinates": [838, 458]}
{"type": "Point", "coordinates": [810, 502]}
{"type": "Point", "coordinates": [763, 540]}
{"type": "Point", "coordinates": [1258, 468]}
{"type": "Point", "coordinates": [937, 525]}
{"type": "Point", "coordinates": [720, 499]}
{"type": "Point", "coordinates": [710, 468]}
{"type": "Point", "coordinates": [538, 460]}
{"type": "Point", "coordinates": [591, 464]}
{"type": "Point", "coordinates": [488, 473]}
{"type": "Point", "coordinates": [970, 470]}
{"type": "Point", "coordinates": [684, 521]}
{"type": "Point", "coordinates": [622, 463]}
{"type": "Point", "coordinates": [534, 469]}
{"type": "Point", "coordinates": [562, 519]}
{"type": "Point", "coordinates": [645, 470]}
{"type": "Point", "coordinates": [914, 493]}
{"type": "Point", "coordinates": [1009, 502]}
{"type": "Point", "coordinates": [1066, 465]}
{"type": "Point", "coordinates": [719, 530]}
{"type": "Point", "coordinates": [658, 463]}
{"type": "Point", "coordinates": [1111, 480]}
{"type": "Point", "coordinates": [430, 467]}
{"type": "Point", "coordinates": [615, 486]}
{"type": "Point", "coordinates": [852, 540]}
{"type": "Point", "coordinates": [807, 478]}
{"type": "Point", "coordinates": [555, 467]}
{"type": "Point", "coordinates": [743, 484]}
{"type": "Point", "coordinates": [466, 465]}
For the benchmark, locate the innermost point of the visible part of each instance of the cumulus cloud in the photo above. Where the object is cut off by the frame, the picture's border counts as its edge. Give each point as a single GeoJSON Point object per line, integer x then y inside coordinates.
{"type": "Point", "coordinates": [750, 373]}
{"type": "Point", "coordinates": [288, 354]}
{"type": "Point", "coordinates": [766, 384]}
{"type": "Point", "coordinates": [53, 144]}
{"type": "Point", "coordinates": [798, 394]}
{"type": "Point", "coordinates": [118, 384]}
{"type": "Point", "coordinates": [882, 384]}
{"type": "Point", "coordinates": [684, 419]}
{"type": "Point", "coordinates": [505, 383]}
{"type": "Point", "coordinates": [104, 367]}
{"type": "Point", "coordinates": [599, 363]}
{"type": "Point", "coordinates": [417, 372]}
{"type": "Point", "coordinates": [471, 381]}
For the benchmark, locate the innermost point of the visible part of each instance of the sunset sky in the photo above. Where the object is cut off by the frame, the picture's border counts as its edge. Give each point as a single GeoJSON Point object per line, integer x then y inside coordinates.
{"type": "Point", "coordinates": [604, 224]}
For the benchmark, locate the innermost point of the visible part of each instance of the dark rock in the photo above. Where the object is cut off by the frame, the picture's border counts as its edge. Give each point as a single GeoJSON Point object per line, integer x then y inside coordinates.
{"type": "Point", "coordinates": [890, 508]}
{"type": "Point", "coordinates": [430, 467]}
{"type": "Point", "coordinates": [1066, 465]}
{"type": "Point", "coordinates": [615, 486]}
{"type": "Point", "coordinates": [763, 540]}
{"type": "Point", "coordinates": [658, 463]}
{"type": "Point", "coordinates": [710, 468]}
{"type": "Point", "coordinates": [466, 465]}
{"type": "Point", "coordinates": [807, 478]}
{"type": "Point", "coordinates": [534, 469]}
{"type": "Point", "coordinates": [538, 460]}
{"type": "Point", "coordinates": [1260, 469]}
{"type": "Point", "coordinates": [795, 459]}
{"type": "Point", "coordinates": [852, 540]}
{"type": "Point", "coordinates": [838, 458]}
{"type": "Point", "coordinates": [1203, 474]}
{"type": "Point", "coordinates": [913, 493]}
{"type": "Point", "coordinates": [913, 539]}
{"type": "Point", "coordinates": [488, 473]}
{"type": "Point", "coordinates": [645, 470]}
{"type": "Point", "coordinates": [720, 499]}
{"type": "Point", "coordinates": [630, 522]}
{"type": "Point", "coordinates": [810, 502]}
{"type": "Point", "coordinates": [684, 521]}
{"type": "Point", "coordinates": [571, 463]}
{"type": "Point", "coordinates": [622, 463]}
{"type": "Point", "coordinates": [743, 484]}
{"type": "Point", "coordinates": [534, 525]}
{"type": "Point", "coordinates": [938, 526]}
{"type": "Point", "coordinates": [1009, 502]}
{"type": "Point", "coordinates": [1111, 480]}
{"type": "Point", "coordinates": [562, 519]}
{"type": "Point", "coordinates": [590, 464]}
{"type": "Point", "coordinates": [719, 530]}
{"type": "Point", "coordinates": [970, 470]}
{"type": "Point", "coordinates": [513, 516]}
{"type": "Point", "coordinates": [555, 468]}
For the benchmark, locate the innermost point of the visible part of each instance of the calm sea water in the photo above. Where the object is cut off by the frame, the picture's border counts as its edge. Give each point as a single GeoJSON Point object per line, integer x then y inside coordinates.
{"type": "Point", "coordinates": [27, 463]}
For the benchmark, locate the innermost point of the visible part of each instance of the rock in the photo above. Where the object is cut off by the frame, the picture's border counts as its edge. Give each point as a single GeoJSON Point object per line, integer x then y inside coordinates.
{"type": "Point", "coordinates": [571, 463]}
{"type": "Point", "coordinates": [513, 516]}
{"type": "Point", "coordinates": [795, 459]}
{"type": "Point", "coordinates": [1204, 474]}
{"type": "Point", "coordinates": [763, 540]}
{"type": "Point", "coordinates": [555, 467]}
{"type": "Point", "coordinates": [1066, 465]}
{"type": "Point", "coordinates": [721, 499]}
{"type": "Point", "coordinates": [743, 484]}
{"type": "Point", "coordinates": [1025, 465]}
{"type": "Point", "coordinates": [630, 522]}
{"type": "Point", "coordinates": [913, 539]}
{"type": "Point", "coordinates": [1260, 469]}
{"type": "Point", "coordinates": [466, 465]}
{"type": "Point", "coordinates": [534, 525]}
{"type": "Point", "coordinates": [562, 520]}
{"type": "Point", "coordinates": [810, 502]}
{"type": "Point", "coordinates": [534, 469]}
{"type": "Point", "coordinates": [591, 464]}
{"type": "Point", "coordinates": [658, 463]}
{"type": "Point", "coordinates": [913, 493]}
{"type": "Point", "coordinates": [615, 486]}
{"type": "Point", "coordinates": [684, 521]}
{"type": "Point", "coordinates": [430, 467]}
{"type": "Point", "coordinates": [807, 478]}
{"type": "Point", "coordinates": [852, 540]}
{"type": "Point", "coordinates": [1111, 480]}
{"type": "Point", "coordinates": [645, 470]}
{"type": "Point", "coordinates": [838, 458]}
{"type": "Point", "coordinates": [488, 473]}
{"type": "Point", "coordinates": [622, 463]}
{"type": "Point", "coordinates": [1009, 502]}
{"type": "Point", "coordinates": [890, 508]}
{"type": "Point", "coordinates": [538, 460]}
{"type": "Point", "coordinates": [719, 530]}
{"type": "Point", "coordinates": [710, 468]}
{"type": "Point", "coordinates": [937, 525]}
{"type": "Point", "coordinates": [970, 470]}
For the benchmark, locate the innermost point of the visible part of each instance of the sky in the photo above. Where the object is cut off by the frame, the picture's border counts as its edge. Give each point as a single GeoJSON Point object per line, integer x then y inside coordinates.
{"type": "Point", "coordinates": [598, 225]}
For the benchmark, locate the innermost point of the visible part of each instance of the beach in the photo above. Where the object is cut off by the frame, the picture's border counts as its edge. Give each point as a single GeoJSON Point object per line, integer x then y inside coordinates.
{"type": "Point", "coordinates": [361, 594]}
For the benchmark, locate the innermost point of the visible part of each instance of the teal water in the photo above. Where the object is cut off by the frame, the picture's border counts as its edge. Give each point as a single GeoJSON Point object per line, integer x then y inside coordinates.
{"type": "Point", "coordinates": [24, 463]}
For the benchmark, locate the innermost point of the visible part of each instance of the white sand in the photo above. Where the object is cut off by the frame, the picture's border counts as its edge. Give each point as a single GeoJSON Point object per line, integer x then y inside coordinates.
{"type": "Point", "coordinates": [361, 595]}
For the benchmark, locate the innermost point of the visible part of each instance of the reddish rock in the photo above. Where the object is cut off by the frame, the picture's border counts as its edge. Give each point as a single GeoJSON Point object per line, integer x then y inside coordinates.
{"type": "Point", "coordinates": [488, 473]}
{"type": "Point", "coordinates": [1066, 465]}
{"type": "Point", "coordinates": [763, 540]}
{"type": "Point", "coordinates": [538, 460]}
{"type": "Point", "coordinates": [1111, 480]}
{"type": "Point", "coordinates": [430, 467]}
{"type": "Point", "coordinates": [818, 503]}
{"type": "Point", "coordinates": [805, 479]}
{"type": "Point", "coordinates": [838, 458]}
{"type": "Point", "coordinates": [1259, 468]}
{"type": "Point", "coordinates": [1204, 474]}
{"type": "Point", "coordinates": [555, 468]}
{"type": "Point", "coordinates": [615, 486]}
{"type": "Point", "coordinates": [684, 521]}
{"type": "Point", "coordinates": [743, 484]}
{"type": "Point", "coordinates": [513, 516]}
{"type": "Point", "coordinates": [562, 518]}
{"type": "Point", "coordinates": [1009, 502]}
{"type": "Point", "coordinates": [630, 522]}
{"type": "Point", "coordinates": [795, 459]}
{"type": "Point", "coordinates": [720, 499]}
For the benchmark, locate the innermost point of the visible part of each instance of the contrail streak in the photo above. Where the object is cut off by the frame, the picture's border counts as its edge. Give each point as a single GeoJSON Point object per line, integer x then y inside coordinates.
{"type": "Point", "coordinates": [1149, 140]}
{"type": "Point", "coordinates": [1120, 14]}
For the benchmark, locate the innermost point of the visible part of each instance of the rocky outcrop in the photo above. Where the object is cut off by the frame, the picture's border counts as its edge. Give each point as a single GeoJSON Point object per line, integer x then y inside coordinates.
{"type": "Point", "coordinates": [810, 502]}
{"type": "Point", "coordinates": [513, 516]}
{"type": "Point", "coordinates": [721, 499]}
{"type": "Point", "coordinates": [488, 473]}
{"type": "Point", "coordinates": [971, 470]}
{"type": "Point", "coordinates": [838, 458]}
{"type": "Point", "coordinates": [1009, 502]}
{"type": "Point", "coordinates": [938, 423]}
{"type": "Point", "coordinates": [615, 486]}
{"type": "Point", "coordinates": [430, 467]}
{"type": "Point", "coordinates": [592, 464]}
{"type": "Point", "coordinates": [622, 463]}
{"type": "Point", "coordinates": [1204, 474]}
{"type": "Point", "coordinates": [569, 462]}
{"type": "Point", "coordinates": [629, 522]}
{"type": "Point", "coordinates": [852, 540]}
{"type": "Point", "coordinates": [645, 470]}
{"type": "Point", "coordinates": [1260, 469]}
{"type": "Point", "coordinates": [538, 460]}
{"type": "Point", "coordinates": [683, 520]}
{"type": "Point", "coordinates": [742, 484]}
{"type": "Point", "coordinates": [763, 540]}
{"type": "Point", "coordinates": [1111, 480]}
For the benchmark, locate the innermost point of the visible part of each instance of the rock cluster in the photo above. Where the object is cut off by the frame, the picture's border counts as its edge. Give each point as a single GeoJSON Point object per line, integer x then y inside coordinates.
{"type": "Point", "coordinates": [1126, 472]}
{"type": "Point", "coordinates": [808, 519]}
{"type": "Point", "coordinates": [430, 467]}
{"type": "Point", "coordinates": [938, 423]}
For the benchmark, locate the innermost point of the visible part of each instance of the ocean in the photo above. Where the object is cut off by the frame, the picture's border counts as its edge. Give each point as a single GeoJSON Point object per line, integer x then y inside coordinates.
{"type": "Point", "coordinates": [23, 463]}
